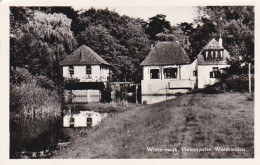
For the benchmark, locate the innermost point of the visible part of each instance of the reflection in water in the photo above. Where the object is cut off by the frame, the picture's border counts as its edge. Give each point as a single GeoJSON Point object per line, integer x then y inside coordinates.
{"type": "Point", "coordinates": [82, 118]}
{"type": "Point", "coordinates": [86, 99]}
{"type": "Point", "coordinates": [151, 99]}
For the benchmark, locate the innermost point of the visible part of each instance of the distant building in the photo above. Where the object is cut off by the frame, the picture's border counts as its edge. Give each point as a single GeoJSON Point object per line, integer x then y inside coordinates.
{"type": "Point", "coordinates": [86, 65]}
{"type": "Point", "coordinates": [168, 70]}
{"type": "Point", "coordinates": [211, 62]}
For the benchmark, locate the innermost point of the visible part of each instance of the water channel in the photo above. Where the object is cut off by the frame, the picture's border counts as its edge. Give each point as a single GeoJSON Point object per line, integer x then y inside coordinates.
{"type": "Point", "coordinates": [76, 114]}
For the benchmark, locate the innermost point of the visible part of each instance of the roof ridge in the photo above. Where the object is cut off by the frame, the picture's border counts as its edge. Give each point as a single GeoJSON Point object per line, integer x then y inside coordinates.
{"type": "Point", "coordinates": [84, 55]}
{"type": "Point", "coordinates": [89, 49]}
{"type": "Point", "coordinates": [166, 53]}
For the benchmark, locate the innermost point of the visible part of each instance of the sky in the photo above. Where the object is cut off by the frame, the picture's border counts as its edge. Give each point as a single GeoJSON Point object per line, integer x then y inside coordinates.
{"type": "Point", "coordinates": [174, 14]}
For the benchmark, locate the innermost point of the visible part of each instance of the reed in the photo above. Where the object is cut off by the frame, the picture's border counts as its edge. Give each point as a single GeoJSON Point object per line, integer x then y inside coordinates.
{"type": "Point", "coordinates": [35, 116]}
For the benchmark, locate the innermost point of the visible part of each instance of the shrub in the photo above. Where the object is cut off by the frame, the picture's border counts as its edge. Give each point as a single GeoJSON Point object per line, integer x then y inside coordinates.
{"type": "Point", "coordinates": [35, 112]}
{"type": "Point", "coordinates": [235, 79]}
{"type": "Point", "coordinates": [23, 76]}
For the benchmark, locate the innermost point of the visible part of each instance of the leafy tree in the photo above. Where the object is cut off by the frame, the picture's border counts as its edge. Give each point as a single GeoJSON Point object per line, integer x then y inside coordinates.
{"type": "Point", "coordinates": [40, 42]}
{"type": "Point", "coordinates": [157, 24]}
{"type": "Point", "coordinates": [118, 39]}
{"type": "Point", "coordinates": [236, 26]}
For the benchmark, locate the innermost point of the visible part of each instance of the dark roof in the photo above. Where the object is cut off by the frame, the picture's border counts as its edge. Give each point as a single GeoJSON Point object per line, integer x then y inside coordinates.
{"type": "Point", "coordinates": [166, 53]}
{"type": "Point", "coordinates": [213, 44]}
{"type": "Point", "coordinates": [84, 56]}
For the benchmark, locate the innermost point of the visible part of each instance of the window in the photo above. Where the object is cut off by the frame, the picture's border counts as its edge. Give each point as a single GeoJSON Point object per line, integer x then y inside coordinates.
{"type": "Point", "coordinates": [194, 73]}
{"type": "Point", "coordinates": [221, 54]}
{"type": "Point", "coordinates": [154, 74]}
{"type": "Point", "coordinates": [216, 54]}
{"type": "Point", "coordinates": [215, 73]}
{"type": "Point", "coordinates": [72, 122]}
{"type": "Point", "coordinates": [71, 70]}
{"type": "Point", "coordinates": [89, 122]}
{"type": "Point", "coordinates": [88, 71]}
{"type": "Point", "coordinates": [213, 54]}
{"type": "Point", "coordinates": [170, 73]}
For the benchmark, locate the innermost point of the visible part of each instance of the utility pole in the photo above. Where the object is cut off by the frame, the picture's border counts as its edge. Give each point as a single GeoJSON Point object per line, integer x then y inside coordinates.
{"type": "Point", "coordinates": [249, 77]}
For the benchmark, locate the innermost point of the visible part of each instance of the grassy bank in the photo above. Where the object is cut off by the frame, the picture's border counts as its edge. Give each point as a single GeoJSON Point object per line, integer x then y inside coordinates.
{"type": "Point", "coordinates": [35, 113]}
{"type": "Point", "coordinates": [192, 120]}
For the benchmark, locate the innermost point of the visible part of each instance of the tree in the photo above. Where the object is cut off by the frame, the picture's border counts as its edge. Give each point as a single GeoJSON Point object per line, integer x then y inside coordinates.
{"type": "Point", "coordinates": [157, 24]}
{"type": "Point", "coordinates": [236, 26]}
{"type": "Point", "coordinates": [120, 40]}
{"type": "Point", "coordinates": [41, 42]}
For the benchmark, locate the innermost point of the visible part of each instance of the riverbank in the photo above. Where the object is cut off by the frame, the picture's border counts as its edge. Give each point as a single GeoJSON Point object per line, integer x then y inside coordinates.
{"type": "Point", "coordinates": [35, 113]}
{"type": "Point", "coordinates": [193, 121]}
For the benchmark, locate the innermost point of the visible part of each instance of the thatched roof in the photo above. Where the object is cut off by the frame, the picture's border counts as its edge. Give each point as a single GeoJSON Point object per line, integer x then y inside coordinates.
{"type": "Point", "coordinates": [84, 56]}
{"type": "Point", "coordinates": [166, 53]}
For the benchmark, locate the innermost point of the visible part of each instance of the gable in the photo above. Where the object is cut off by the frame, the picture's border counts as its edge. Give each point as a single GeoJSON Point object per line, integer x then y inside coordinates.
{"type": "Point", "coordinates": [84, 56]}
{"type": "Point", "coordinates": [166, 53]}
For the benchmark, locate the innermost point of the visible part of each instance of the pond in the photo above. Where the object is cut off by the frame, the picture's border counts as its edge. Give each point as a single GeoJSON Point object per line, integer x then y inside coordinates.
{"type": "Point", "coordinates": [151, 99]}
{"type": "Point", "coordinates": [116, 96]}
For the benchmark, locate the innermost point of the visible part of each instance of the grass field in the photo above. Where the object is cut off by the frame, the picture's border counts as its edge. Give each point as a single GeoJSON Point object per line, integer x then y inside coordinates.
{"type": "Point", "coordinates": [191, 120]}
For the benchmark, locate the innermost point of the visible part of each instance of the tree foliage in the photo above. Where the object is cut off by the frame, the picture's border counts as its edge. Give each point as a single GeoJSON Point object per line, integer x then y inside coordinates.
{"type": "Point", "coordinates": [40, 37]}
{"type": "Point", "coordinates": [236, 26]}
{"type": "Point", "coordinates": [157, 24]}
{"type": "Point", "coordinates": [120, 40]}
{"type": "Point", "coordinates": [41, 41]}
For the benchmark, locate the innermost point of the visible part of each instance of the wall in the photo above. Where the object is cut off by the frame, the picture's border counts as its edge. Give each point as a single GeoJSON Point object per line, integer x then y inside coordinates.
{"type": "Point", "coordinates": [162, 87]}
{"type": "Point", "coordinates": [204, 75]}
{"type": "Point", "coordinates": [183, 81]}
{"type": "Point", "coordinates": [98, 73]}
{"type": "Point", "coordinates": [193, 67]}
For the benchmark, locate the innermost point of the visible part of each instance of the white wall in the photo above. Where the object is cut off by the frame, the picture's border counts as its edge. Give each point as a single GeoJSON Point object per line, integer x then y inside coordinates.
{"type": "Point", "coordinates": [185, 79]}
{"type": "Point", "coordinates": [81, 118]}
{"type": "Point", "coordinates": [184, 69]}
{"type": "Point", "coordinates": [98, 73]}
{"type": "Point", "coordinates": [193, 67]}
{"type": "Point", "coordinates": [160, 87]}
{"type": "Point", "coordinates": [204, 75]}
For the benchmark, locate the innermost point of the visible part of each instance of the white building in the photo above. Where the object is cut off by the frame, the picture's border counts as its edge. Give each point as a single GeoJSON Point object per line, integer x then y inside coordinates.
{"type": "Point", "coordinates": [168, 70]}
{"type": "Point", "coordinates": [211, 62]}
{"type": "Point", "coordinates": [86, 65]}
{"type": "Point", "coordinates": [90, 71]}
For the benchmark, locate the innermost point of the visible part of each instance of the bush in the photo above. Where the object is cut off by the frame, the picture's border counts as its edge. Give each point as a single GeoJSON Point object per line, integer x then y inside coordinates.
{"type": "Point", "coordinates": [35, 112]}
{"type": "Point", "coordinates": [23, 76]}
{"type": "Point", "coordinates": [230, 83]}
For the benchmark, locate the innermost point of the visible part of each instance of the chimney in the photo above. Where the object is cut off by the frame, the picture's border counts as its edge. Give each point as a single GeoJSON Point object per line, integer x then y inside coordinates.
{"type": "Point", "coordinates": [220, 41]}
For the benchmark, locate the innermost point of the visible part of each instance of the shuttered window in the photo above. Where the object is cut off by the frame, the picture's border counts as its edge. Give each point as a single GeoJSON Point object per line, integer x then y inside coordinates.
{"type": "Point", "coordinates": [71, 70]}
{"type": "Point", "coordinates": [215, 73]}
{"type": "Point", "coordinates": [194, 73]}
{"type": "Point", "coordinates": [88, 71]}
